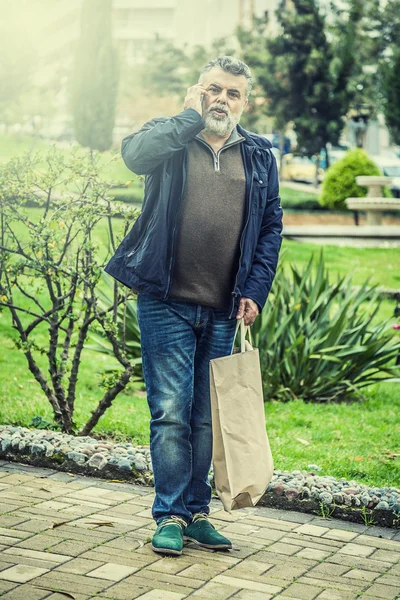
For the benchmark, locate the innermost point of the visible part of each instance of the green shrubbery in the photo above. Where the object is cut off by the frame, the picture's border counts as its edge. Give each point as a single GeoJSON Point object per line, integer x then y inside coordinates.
{"type": "Point", "coordinates": [319, 340]}
{"type": "Point", "coordinates": [340, 181]}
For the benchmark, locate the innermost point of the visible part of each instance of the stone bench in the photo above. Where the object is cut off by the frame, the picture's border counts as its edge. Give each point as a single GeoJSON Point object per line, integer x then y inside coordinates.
{"type": "Point", "coordinates": [374, 204]}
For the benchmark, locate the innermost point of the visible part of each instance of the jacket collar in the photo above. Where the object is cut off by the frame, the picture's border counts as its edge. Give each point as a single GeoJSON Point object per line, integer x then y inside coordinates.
{"type": "Point", "coordinates": [253, 139]}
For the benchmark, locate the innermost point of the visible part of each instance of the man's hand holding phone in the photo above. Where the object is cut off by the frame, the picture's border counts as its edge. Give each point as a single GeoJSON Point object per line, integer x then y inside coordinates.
{"type": "Point", "coordinates": [194, 98]}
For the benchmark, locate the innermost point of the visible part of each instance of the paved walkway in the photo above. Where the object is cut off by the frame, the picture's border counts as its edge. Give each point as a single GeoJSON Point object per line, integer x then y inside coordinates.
{"type": "Point", "coordinates": [65, 536]}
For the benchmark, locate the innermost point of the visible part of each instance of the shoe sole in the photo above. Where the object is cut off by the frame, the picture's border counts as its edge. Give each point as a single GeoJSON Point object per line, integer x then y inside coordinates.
{"type": "Point", "coordinates": [209, 546]}
{"type": "Point", "coordinates": [166, 551]}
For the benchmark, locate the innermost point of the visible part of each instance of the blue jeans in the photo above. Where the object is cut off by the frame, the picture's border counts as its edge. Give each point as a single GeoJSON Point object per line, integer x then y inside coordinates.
{"type": "Point", "coordinates": [178, 341]}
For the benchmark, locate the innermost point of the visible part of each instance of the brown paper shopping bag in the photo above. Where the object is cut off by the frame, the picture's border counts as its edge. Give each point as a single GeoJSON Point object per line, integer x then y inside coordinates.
{"type": "Point", "coordinates": [242, 459]}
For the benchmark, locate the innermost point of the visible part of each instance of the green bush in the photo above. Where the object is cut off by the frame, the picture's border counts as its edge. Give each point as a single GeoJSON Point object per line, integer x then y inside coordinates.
{"type": "Point", "coordinates": [340, 180]}
{"type": "Point", "coordinates": [319, 341]}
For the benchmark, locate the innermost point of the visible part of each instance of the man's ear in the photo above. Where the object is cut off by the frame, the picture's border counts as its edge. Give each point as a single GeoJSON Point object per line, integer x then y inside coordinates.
{"type": "Point", "coordinates": [246, 105]}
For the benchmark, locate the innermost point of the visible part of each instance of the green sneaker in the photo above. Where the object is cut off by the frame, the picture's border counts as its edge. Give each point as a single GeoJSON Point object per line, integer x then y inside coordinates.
{"type": "Point", "coordinates": [204, 534]}
{"type": "Point", "coordinates": [168, 537]}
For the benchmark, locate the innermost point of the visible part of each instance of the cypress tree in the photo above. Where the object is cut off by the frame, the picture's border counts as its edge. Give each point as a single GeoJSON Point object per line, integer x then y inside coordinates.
{"type": "Point", "coordinates": [391, 90]}
{"type": "Point", "coordinates": [95, 77]}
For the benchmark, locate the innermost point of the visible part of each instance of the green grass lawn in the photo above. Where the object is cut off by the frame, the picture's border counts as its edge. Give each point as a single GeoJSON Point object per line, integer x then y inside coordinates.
{"type": "Point", "coordinates": [352, 440]}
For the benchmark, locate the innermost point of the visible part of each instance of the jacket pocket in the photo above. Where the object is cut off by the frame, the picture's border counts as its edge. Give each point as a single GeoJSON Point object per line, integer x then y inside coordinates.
{"type": "Point", "coordinates": [260, 185]}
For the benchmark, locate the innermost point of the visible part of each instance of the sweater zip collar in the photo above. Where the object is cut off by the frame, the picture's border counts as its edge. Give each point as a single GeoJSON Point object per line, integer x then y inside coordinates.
{"type": "Point", "coordinates": [236, 139]}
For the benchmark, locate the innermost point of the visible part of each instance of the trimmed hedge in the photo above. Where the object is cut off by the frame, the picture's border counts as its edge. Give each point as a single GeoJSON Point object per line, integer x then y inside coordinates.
{"type": "Point", "coordinates": [340, 180]}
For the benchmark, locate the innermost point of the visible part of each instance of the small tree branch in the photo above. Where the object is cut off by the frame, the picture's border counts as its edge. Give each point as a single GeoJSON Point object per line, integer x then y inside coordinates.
{"type": "Point", "coordinates": [35, 370]}
{"type": "Point", "coordinates": [106, 401]}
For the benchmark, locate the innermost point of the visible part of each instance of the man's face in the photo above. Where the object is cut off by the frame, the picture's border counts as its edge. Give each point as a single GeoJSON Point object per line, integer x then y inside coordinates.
{"type": "Point", "coordinates": [224, 105]}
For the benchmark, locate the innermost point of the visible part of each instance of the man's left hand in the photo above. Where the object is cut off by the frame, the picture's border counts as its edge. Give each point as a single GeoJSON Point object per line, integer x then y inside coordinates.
{"type": "Point", "coordinates": [249, 309]}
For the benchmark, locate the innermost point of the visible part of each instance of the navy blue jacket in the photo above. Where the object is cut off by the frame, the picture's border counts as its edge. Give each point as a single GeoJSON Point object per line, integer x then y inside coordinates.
{"type": "Point", "coordinates": [144, 260]}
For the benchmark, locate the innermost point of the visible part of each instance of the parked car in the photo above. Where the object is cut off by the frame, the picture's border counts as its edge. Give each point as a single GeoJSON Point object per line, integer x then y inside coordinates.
{"type": "Point", "coordinates": [299, 168]}
{"type": "Point", "coordinates": [389, 165]}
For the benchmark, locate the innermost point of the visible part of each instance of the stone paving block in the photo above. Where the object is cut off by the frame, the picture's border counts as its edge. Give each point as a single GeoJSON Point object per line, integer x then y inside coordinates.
{"type": "Point", "coordinates": [389, 580]}
{"type": "Point", "coordinates": [284, 573]}
{"type": "Point", "coordinates": [356, 550]}
{"type": "Point", "coordinates": [145, 501]}
{"type": "Point", "coordinates": [391, 545]}
{"type": "Point", "coordinates": [123, 543]}
{"type": "Point", "coordinates": [297, 517]}
{"type": "Point", "coordinates": [8, 541]}
{"type": "Point", "coordinates": [282, 559]}
{"type": "Point", "coordinates": [310, 529]}
{"type": "Point", "coordinates": [9, 559]}
{"type": "Point", "coordinates": [240, 528]}
{"type": "Point", "coordinates": [21, 573]}
{"type": "Point", "coordinates": [219, 591]}
{"type": "Point", "coordinates": [170, 580]}
{"type": "Point", "coordinates": [380, 532]}
{"type": "Point", "coordinates": [9, 507]}
{"type": "Point", "coordinates": [249, 568]}
{"type": "Point", "coordinates": [204, 572]}
{"type": "Point", "coordinates": [283, 548]}
{"type": "Point", "coordinates": [161, 595]}
{"type": "Point", "coordinates": [327, 570]}
{"type": "Point", "coordinates": [339, 524]}
{"type": "Point", "coordinates": [309, 541]}
{"type": "Point", "coordinates": [272, 513]}
{"type": "Point", "coordinates": [359, 562]}
{"type": "Point", "coordinates": [71, 532]}
{"type": "Point", "coordinates": [172, 564]}
{"type": "Point", "coordinates": [202, 554]}
{"type": "Point", "coordinates": [39, 542]}
{"type": "Point", "coordinates": [26, 592]}
{"type": "Point", "coordinates": [56, 558]}
{"type": "Point", "coordinates": [335, 595]}
{"type": "Point", "coordinates": [247, 584]}
{"type": "Point", "coordinates": [243, 541]}
{"type": "Point", "coordinates": [313, 554]}
{"type": "Point", "coordinates": [68, 582]}
{"type": "Point", "coordinates": [386, 592]}
{"type": "Point", "coordinates": [124, 591]}
{"type": "Point", "coordinates": [16, 478]}
{"type": "Point", "coordinates": [394, 570]}
{"type": "Point", "coordinates": [112, 572]}
{"type": "Point", "coordinates": [79, 566]}
{"type": "Point", "coordinates": [281, 525]}
{"type": "Point", "coordinates": [34, 525]}
{"type": "Point", "coordinates": [340, 535]}
{"type": "Point", "coordinates": [153, 580]}
{"type": "Point", "coordinates": [302, 591]}
{"type": "Point", "coordinates": [10, 520]}
{"type": "Point", "coordinates": [74, 548]}
{"type": "Point", "coordinates": [267, 534]}
{"type": "Point", "coordinates": [386, 555]}
{"type": "Point", "coordinates": [131, 559]}
{"type": "Point", "coordinates": [5, 586]}
{"type": "Point", "coordinates": [251, 595]}
{"type": "Point", "coordinates": [335, 583]}
{"type": "Point", "coordinates": [361, 575]}
{"type": "Point", "coordinates": [16, 498]}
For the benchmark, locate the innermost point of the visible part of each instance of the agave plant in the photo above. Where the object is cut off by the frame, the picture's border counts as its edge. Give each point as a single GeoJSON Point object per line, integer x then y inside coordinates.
{"type": "Point", "coordinates": [321, 341]}
{"type": "Point", "coordinates": [127, 330]}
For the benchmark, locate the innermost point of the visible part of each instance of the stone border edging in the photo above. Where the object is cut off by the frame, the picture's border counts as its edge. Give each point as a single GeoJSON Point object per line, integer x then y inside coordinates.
{"type": "Point", "coordinates": [302, 491]}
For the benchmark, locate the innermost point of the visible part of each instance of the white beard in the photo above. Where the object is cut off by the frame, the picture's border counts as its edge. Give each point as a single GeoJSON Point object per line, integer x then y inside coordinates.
{"type": "Point", "coordinates": [218, 125]}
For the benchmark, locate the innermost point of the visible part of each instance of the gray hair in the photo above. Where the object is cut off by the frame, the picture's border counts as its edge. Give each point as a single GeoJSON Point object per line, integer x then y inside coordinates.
{"type": "Point", "coordinates": [232, 65]}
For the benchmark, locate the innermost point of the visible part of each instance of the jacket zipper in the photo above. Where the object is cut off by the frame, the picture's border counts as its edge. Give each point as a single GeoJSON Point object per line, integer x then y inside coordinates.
{"type": "Point", "coordinates": [234, 294]}
{"type": "Point", "coordinates": [216, 155]}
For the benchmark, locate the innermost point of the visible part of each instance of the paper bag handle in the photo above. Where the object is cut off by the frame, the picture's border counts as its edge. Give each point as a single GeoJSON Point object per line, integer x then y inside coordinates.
{"type": "Point", "coordinates": [244, 330]}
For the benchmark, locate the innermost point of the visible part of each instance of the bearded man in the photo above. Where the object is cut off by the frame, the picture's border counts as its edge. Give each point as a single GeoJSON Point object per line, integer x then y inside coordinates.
{"type": "Point", "coordinates": [202, 255]}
